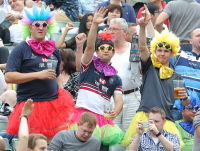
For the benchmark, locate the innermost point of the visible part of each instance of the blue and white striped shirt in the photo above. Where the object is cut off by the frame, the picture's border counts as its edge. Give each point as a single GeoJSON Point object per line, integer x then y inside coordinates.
{"type": "Point", "coordinates": [147, 143]}
{"type": "Point", "coordinates": [188, 65]}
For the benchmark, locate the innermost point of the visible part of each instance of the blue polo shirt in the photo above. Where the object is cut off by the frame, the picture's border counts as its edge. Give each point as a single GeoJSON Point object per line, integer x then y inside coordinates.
{"type": "Point", "coordinates": [188, 65]}
{"type": "Point", "coordinates": [128, 12]}
{"type": "Point", "coordinates": [87, 6]}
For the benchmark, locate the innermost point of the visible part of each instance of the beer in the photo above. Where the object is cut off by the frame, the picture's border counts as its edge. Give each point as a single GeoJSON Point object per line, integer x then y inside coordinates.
{"type": "Point", "coordinates": [176, 92]}
{"type": "Point", "coordinates": [107, 117]}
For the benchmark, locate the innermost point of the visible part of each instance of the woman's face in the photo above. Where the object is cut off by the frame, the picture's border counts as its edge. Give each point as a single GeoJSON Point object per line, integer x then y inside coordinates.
{"type": "Point", "coordinates": [114, 14]}
{"type": "Point", "coordinates": [89, 22]}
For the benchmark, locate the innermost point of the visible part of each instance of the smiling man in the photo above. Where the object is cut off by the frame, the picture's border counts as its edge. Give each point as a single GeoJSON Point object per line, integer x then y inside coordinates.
{"type": "Point", "coordinates": [98, 82]}
{"type": "Point", "coordinates": [155, 138]}
{"type": "Point", "coordinates": [157, 78]}
{"type": "Point", "coordinates": [35, 66]}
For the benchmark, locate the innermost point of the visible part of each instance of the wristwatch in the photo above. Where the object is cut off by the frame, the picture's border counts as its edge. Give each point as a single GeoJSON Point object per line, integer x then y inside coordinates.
{"type": "Point", "coordinates": [24, 116]}
{"type": "Point", "coordinates": [21, 16]}
{"type": "Point", "coordinates": [159, 133]}
{"type": "Point", "coordinates": [184, 98]}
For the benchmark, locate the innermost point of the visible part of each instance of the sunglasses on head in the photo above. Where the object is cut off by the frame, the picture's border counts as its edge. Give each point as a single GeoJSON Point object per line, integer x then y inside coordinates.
{"type": "Point", "coordinates": [192, 108]}
{"type": "Point", "coordinates": [38, 25]}
{"type": "Point", "coordinates": [164, 45]}
{"type": "Point", "coordinates": [102, 48]}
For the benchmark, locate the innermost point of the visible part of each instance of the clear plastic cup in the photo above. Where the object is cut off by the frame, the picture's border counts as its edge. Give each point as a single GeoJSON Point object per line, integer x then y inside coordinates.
{"type": "Point", "coordinates": [178, 84]}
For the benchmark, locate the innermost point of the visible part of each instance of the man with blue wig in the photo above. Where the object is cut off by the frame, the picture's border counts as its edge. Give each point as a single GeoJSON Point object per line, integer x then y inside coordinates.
{"type": "Point", "coordinates": [185, 125]}
{"type": "Point", "coordinates": [34, 65]}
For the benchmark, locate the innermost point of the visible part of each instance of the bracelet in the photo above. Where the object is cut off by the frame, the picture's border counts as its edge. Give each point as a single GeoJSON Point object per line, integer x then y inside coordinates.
{"type": "Point", "coordinates": [185, 98]}
{"type": "Point", "coordinates": [24, 116]}
{"type": "Point", "coordinates": [159, 133]}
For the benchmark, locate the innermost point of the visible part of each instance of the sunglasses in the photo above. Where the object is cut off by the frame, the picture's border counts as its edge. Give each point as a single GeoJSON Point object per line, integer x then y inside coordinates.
{"type": "Point", "coordinates": [164, 45]}
{"type": "Point", "coordinates": [102, 48]}
{"type": "Point", "coordinates": [38, 25]}
{"type": "Point", "coordinates": [192, 108]}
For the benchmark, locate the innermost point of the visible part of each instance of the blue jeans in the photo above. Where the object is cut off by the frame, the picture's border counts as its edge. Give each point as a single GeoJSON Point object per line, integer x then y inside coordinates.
{"type": "Point", "coordinates": [8, 136]}
{"type": "Point", "coordinates": [186, 48]}
{"type": "Point", "coordinates": [177, 114]}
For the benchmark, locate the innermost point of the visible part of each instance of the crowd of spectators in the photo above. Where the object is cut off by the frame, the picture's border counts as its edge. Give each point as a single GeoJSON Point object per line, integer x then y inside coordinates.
{"type": "Point", "coordinates": [88, 92]}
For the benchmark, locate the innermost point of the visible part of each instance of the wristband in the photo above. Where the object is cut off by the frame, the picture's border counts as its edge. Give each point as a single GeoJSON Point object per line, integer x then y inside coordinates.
{"type": "Point", "coordinates": [159, 133]}
{"type": "Point", "coordinates": [24, 116]}
{"type": "Point", "coordinates": [185, 98]}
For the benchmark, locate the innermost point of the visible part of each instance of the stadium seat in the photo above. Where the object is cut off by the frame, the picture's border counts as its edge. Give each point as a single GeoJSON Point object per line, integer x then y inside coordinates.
{"type": "Point", "coordinates": [14, 144]}
{"type": "Point", "coordinates": [62, 24]}
{"type": "Point", "coordinates": [7, 145]}
{"type": "Point", "coordinates": [3, 126]}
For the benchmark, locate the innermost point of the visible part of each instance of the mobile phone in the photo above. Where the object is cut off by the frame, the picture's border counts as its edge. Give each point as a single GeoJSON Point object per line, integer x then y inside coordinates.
{"type": "Point", "coordinates": [135, 51]}
{"type": "Point", "coordinates": [145, 124]}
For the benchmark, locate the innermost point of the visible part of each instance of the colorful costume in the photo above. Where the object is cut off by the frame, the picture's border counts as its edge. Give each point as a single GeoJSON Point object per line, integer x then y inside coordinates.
{"type": "Point", "coordinates": [186, 128]}
{"type": "Point", "coordinates": [157, 89]}
{"type": "Point", "coordinates": [52, 105]}
{"type": "Point", "coordinates": [98, 82]}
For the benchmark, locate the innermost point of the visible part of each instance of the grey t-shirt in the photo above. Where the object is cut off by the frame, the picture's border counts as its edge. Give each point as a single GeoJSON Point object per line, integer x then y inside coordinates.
{"type": "Point", "coordinates": [67, 140]}
{"type": "Point", "coordinates": [196, 123]}
{"type": "Point", "coordinates": [183, 17]}
{"type": "Point", "coordinates": [157, 92]}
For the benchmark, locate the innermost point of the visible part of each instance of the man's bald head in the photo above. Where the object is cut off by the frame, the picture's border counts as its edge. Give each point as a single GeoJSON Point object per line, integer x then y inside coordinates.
{"type": "Point", "coordinates": [194, 31]}
{"type": "Point", "coordinates": [2, 144]}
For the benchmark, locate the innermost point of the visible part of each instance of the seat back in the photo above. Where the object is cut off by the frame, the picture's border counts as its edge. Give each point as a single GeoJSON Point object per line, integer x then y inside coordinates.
{"type": "Point", "coordinates": [3, 126]}
{"type": "Point", "coordinates": [7, 145]}
{"type": "Point", "coordinates": [14, 144]}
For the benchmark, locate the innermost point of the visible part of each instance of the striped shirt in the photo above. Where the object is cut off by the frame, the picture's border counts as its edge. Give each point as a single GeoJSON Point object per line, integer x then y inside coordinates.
{"type": "Point", "coordinates": [188, 65]}
{"type": "Point", "coordinates": [147, 143]}
{"type": "Point", "coordinates": [95, 89]}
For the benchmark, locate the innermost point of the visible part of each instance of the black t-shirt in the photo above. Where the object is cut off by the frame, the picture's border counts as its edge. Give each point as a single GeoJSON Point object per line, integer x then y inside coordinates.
{"type": "Point", "coordinates": [157, 92]}
{"type": "Point", "coordinates": [24, 60]}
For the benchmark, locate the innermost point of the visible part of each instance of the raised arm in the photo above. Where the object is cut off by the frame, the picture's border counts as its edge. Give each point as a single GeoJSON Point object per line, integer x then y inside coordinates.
{"type": "Point", "coordinates": [160, 20]}
{"type": "Point", "coordinates": [89, 51]}
{"type": "Point", "coordinates": [61, 44]}
{"type": "Point", "coordinates": [23, 128]}
{"type": "Point", "coordinates": [136, 141]}
{"type": "Point", "coordinates": [144, 53]}
{"type": "Point", "coordinates": [80, 39]}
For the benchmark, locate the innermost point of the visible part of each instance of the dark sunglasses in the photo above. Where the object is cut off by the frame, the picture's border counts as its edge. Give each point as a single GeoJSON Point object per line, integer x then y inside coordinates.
{"type": "Point", "coordinates": [37, 25]}
{"type": "Point", "coordinates": [192, 108]}
{"type": "Point", "coordinates": [164, 45]}
{"type": "Point", "coordinates": [102, 48]}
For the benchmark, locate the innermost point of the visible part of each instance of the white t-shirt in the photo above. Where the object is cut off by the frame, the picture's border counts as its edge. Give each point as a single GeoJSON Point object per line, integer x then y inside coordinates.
{"type": "Point", "coordinates": [15, 36]}
{"type": "Point", "coordinates": [156, 140]}
{"type": "Point", "coordinates": [121, 64]}
{"type": "Point", "coordinates": [2, 82]}
{"type": "Point", "coordinates": [138, 30]}
{"type": "Point", "coordinates": [5, 7]}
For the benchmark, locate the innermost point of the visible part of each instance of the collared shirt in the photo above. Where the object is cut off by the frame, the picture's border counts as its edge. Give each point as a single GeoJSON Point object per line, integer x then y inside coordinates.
{"type": "Point", "coordinates": [87, 6]}
{"type": "Point", "coordinates": [128, 12]}
{"type": "Point", "coordinates": [188, 65]}
{"type": "Point", "coordinates": [147, 143]}
{"type": "Point", "coordinates": [5, 6]}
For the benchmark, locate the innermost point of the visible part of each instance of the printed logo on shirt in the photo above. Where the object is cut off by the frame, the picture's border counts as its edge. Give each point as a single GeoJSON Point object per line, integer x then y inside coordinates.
{"type": "Point", "coordinates": [97, 83]}
{"type": "Point", "coordinates": [41, 65]}
{"type": "Point", "coordinates": [96, 72]}
{"type": "Point", "coordinates": [102, 81]}
{"type": "Point", "coordinates": [44, 60]}
{"type": "Point", "coordinates": [105, 89]}
{"type": "Point", "coordinates": [33, 56]}
{"type": "Point", "coordinates": [51, 56]}
{"type": "Point", "coordinates": [111, 80]}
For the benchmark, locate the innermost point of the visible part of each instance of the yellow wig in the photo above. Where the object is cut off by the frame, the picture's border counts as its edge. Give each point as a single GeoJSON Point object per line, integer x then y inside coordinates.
{"type": "Point", "coordinates": [167, 37]}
